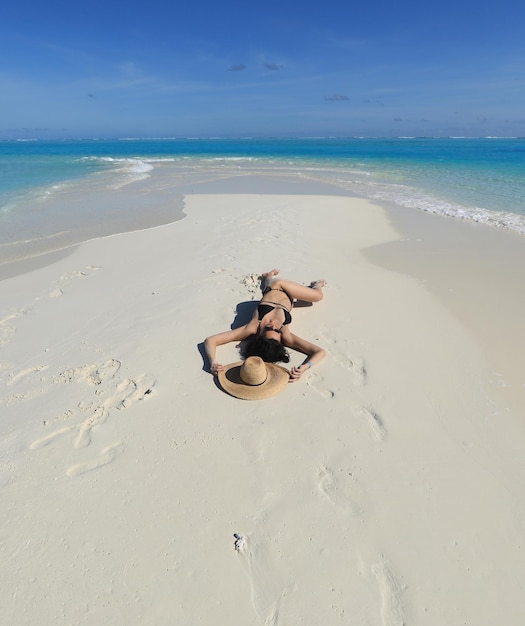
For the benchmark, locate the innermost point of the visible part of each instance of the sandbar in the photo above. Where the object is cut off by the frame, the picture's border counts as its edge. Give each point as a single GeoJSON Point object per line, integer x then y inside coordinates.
{"type": "Point", "coordinates": [385, 487]}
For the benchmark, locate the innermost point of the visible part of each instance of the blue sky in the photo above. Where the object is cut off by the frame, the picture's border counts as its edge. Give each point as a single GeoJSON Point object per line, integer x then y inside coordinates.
{"type": "Point", "coordinates": [165, 69]}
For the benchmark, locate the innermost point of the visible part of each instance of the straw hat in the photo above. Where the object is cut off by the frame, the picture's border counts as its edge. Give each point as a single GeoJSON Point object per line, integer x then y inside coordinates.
{"type": "Point", "coordinates": [253, 379]}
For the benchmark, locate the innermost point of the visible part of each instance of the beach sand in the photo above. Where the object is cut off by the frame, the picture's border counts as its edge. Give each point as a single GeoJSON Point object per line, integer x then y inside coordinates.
{"type": "Point", "coordinates": [383, 488]}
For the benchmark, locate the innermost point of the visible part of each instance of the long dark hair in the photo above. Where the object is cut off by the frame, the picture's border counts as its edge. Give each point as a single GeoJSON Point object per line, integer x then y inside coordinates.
{"type": "Point", "coordinates": [270, 350]}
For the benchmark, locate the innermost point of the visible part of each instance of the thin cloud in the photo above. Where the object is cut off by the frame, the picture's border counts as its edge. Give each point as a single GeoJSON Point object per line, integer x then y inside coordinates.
{"type": "Point", "coordinates": [378, 102]}
{"type": "Point", "coordinates": [25, 130]}
{"type": "Point", "coordinates": [130, 69]}
{"type": "Point", "coordinates": [238, 67]}
{"type": "Point", "coordinates": [336, 97]}
{"type": "Point", "coordinates": [274, 67]}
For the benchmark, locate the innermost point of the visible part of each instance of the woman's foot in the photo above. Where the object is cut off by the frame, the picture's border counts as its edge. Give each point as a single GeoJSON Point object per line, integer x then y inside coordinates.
{"type": "Point", "coordinates": [270, 274]}
{"type": "Point", "coordinates": [318, 284]}
{"type": "Point", "coordinates": [267, 278]}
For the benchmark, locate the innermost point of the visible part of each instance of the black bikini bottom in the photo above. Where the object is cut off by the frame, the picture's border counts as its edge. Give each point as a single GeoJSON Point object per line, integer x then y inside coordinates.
{"type": "Point", "coordinates": [285, 292]}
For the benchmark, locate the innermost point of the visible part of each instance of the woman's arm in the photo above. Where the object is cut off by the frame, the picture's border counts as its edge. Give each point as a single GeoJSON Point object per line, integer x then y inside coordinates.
{"type": "Point", "coordinates": [237, 334]}
{"type": "Point", "coordinates": [314, 354]}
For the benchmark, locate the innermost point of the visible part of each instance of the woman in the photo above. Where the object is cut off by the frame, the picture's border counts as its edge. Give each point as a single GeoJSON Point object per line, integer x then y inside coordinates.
{"type": "Point", "coordinates": [268, 333]}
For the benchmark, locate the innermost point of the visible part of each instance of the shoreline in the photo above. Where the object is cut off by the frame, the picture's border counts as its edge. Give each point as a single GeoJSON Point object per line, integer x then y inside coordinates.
{"type": "Point", "coordinates": [168, 207]}
{"type": "Point", "coordinates": [10, 269]}
{"type": "Point", "coordinates": [137, 192]}
{"type": "Point", "coordinates": [384, 487]}
{"type": "Point", "coordinates": [168, 192]}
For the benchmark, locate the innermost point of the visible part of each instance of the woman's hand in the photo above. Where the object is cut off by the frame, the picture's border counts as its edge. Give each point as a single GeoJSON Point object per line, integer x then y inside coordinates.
{"type": "Point", "coordinates": [216, 367]}
{"type": "Point", "coordinates": [296, 372]}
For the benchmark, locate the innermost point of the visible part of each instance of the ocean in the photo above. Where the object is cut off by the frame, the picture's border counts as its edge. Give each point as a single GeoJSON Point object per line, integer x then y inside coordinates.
{"type": "Point", "coordinates": [57, 193]}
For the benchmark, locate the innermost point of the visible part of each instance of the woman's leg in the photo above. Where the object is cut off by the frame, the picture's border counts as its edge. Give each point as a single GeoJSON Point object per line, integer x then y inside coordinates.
{"type": "Point", "coordinates": [313, 293]}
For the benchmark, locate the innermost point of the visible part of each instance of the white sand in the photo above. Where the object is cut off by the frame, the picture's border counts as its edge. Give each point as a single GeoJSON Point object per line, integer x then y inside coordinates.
{"type": "Point", "coordinates": [384, 488]}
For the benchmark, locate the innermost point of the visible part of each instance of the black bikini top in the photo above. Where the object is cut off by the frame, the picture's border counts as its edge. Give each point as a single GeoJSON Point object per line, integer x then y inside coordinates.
{"type": "Point", "coordinates": [264, 308]}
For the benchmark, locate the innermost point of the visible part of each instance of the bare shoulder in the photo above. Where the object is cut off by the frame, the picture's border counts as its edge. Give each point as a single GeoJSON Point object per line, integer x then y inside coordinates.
{"type": "Point", "coordinates": [252, 325]}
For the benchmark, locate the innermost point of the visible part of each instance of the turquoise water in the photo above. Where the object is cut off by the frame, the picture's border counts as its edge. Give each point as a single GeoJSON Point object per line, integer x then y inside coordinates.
{"type": "Point", "coordinates": [475, 179]}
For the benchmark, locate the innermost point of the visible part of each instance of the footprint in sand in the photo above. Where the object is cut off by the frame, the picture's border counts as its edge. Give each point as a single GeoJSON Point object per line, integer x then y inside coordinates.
{"type": "Point", "coordinates": [118, 396]}
{"type": "Point", "coordinates": [374, 421]}
{"type": "Point", "coordinates": [338, 490]}
{"type": "Point", "coordinates": [13, 316]}
{"type": "Point", "coordinates": [127, 392]}
{"type": "Point", "coordinates": [15, 397]}
{"type": "Point", "coordinates": [124, 394]}
{"type": "Point", "coordinates": [70, 275]}
{"type": "Point", "coordinates": [108, 455]}
{"type": "Point", "coordinates": [316, 382]}
{"type": "Point", "coordinates": [325, 481]}
{"type": "Point", "coordinates": [326, 337]}
{"type": "Point", "coordinates": [94, 374]}
{"type": "Point", "coordinates": [131, 390]}
{"type": "Point", "coordinates": [355, 366]}
{"type": "Point", "coordinates": [78, 274]}
{"type": "Point", "coordinates": [266, 592]}
{"type": "Point", "coordinates": [390, 591]}
{"type": "Point", "coordinates": [40, 443]}
{"type": "Point", "coordinates": [26, 373]}
{"type": "Point", "coordinates": [84, 436]}
{"type": "Point", "coordinates": [6, 332]}
{"type": "Point", "coordinates": [100, 373]}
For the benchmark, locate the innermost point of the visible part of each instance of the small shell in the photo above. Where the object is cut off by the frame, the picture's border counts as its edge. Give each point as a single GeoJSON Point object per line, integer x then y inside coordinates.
{"type": "Point", "coordinates": [239, 542]}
